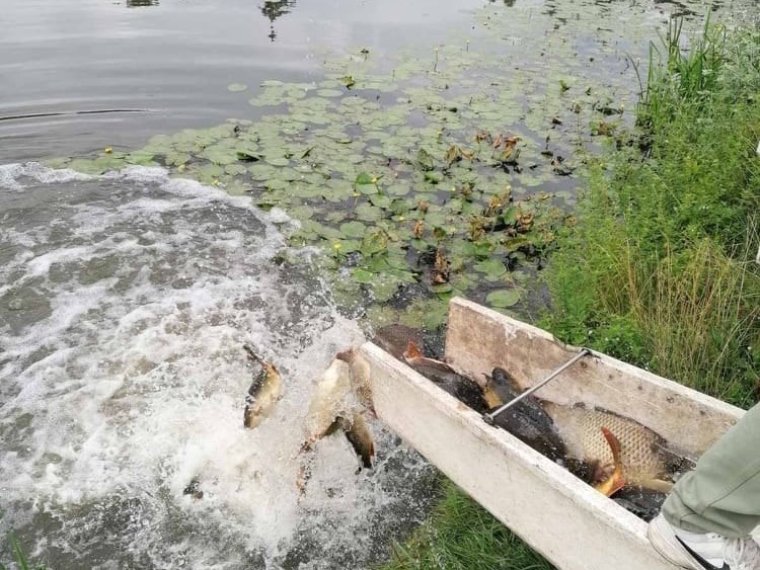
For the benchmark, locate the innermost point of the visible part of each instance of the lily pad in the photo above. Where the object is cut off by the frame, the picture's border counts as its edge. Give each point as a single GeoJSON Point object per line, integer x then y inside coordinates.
{"type": "Point", "coordinates": [353, 229]}
{"type": "Point", "coordinates": [503, 298]}
{"type": "Point", "coordinates": [237, 87]}
{"type": "Point", "coordinates": [380, 200]}
{"type": "Point", "coordinates": [398, 189]}
{"type": "Point", "coordinates": [329, 93]}
{"type": "Point", "coordinates": [493, 268]}
{"type": "Point", "coordinates": [368, 213]}
{"type": "Point", "coordinates": [383, 289]}
{"type": "Point", "coordinates": [433, 177]}
{"type": "Point", "coordinates": [362, 275]}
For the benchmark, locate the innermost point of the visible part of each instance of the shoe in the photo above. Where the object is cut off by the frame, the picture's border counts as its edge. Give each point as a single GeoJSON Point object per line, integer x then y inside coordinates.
{"type": "Point", "coordinates": [702, 551]}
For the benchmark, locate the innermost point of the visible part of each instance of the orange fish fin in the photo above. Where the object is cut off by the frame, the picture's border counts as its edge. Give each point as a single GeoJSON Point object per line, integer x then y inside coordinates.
{"type": "Point", "coordinates": [412, 351]}
{"type": "Point", "coordinates": [616, 481]}
{"type": "Point", "coordinates": [614, 444]}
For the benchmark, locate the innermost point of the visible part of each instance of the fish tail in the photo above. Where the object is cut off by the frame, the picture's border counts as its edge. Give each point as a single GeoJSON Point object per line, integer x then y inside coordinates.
{"type": "Point", "coordinates": [252, 356]}
{"type": "Point", "coordinates": [249, 416]}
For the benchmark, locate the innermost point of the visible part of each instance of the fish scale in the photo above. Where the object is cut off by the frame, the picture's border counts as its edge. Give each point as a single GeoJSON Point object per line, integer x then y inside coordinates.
{"type": "Point", "coordinates": [645, 459]}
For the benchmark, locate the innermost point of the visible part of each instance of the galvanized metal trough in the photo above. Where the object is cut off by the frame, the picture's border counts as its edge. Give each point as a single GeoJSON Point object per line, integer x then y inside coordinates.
{"type": "Point", "coordinates": [569, 523]}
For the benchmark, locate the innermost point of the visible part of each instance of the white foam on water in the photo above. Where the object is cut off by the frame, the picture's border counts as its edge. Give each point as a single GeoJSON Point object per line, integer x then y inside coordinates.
{"type": "Point", "coordinates": [9, 174]}
{"type": "Point", "coordinates": [126, 301]}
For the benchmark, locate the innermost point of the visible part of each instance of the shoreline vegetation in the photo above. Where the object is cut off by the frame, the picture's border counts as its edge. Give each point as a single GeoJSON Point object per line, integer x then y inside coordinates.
{"type": "Point", "coordinates": [657, 268]}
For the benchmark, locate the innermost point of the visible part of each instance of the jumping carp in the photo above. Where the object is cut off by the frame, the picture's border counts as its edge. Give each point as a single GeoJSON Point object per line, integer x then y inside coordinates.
{"type": "Point", "coordinates": [341, 395]}
{"type": "Point", "coordinates": [328, 401]}
{"type": "Point", "coordinates": [264, 393]}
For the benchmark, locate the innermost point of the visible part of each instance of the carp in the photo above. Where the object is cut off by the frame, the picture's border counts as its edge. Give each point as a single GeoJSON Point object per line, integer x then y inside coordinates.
{"type": "Point", "coordinates": [265, 391]}
{"type": "Point", "coordinates": [643, 456]}
{"type": "Point", "coordinates": [360, 377]}
{"type": "Point", "coordinates": [328, 401]}
{"type": "Point", "coordinates": [444, 376]}
{"type": "Point", "coordinates": [337, 404]}
{"type": "Point", "coordinates": [526, 420]}
{"type": "Point", "coordinates": [394, 339]}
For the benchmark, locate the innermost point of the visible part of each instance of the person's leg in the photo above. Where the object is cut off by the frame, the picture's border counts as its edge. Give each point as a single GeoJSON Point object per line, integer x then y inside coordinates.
{"type": "Point", "coordinates": [722, 495]}
{"type": "Point", "coordinates": [707, 519]}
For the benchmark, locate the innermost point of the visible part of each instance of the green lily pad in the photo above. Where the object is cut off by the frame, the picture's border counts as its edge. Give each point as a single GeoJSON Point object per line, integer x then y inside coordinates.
{"type": "Point", "coordinates": [362, 276]}
{"type": "Point", "coordinates": [493, 268]}
{"type": "Point", "coordinates": [237, 87]}
{"type": "Point", "coordinates": [364, 178]}
{"type": "Point", "coordinates": [302, 212]}
{"type": "Point", "coordinates": [368, 213]}
{"type": "Point", "coordinates": [237, 188]}
{"type": "Point", "coordinates": [61, 162]}
{"type": "Point", "coordinates": [235, 169]}
{"type": "Point", "coordinates": [398, 189]}
{"type": "Point", "coordinates": [329, 93]}
{"type": "Point", "coordinates": [433, 177]}
{"type": "Point", "coordinates": [383, 289]}
{"type": "Point", "coordinates": [347, 245]}
{"type": "Point", "coordinates": [503, 298]}
{"type": "Point", "coordinates": [177, 159]}
{"type": "Point", "coordinates": [510, 215]}
{"type": "Point", "coordinates": [435, 219]}
{"type": "Point", "coordinates": [141, 157]}
{"type": "Point", "coordinates": [380, 200]}
{"type": "Point", "coordinates": [441, 289]}
{"type": "Point", "coordinates": [219, 154]}
{"type": "Point", "coordinates": [353, 229]}
{"type": "Point", "coordinates": [85, 166]}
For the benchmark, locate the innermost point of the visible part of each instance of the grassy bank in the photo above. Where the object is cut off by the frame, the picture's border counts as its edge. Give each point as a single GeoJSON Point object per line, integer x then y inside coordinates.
{"type": "Point", "coordinates": [658, 268]}
{"type": "Point", "coordinates": [462, 535]}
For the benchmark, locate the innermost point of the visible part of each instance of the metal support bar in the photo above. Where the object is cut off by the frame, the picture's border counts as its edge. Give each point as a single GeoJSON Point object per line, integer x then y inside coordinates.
{"type": "Point", "coordinates": [489, 418]}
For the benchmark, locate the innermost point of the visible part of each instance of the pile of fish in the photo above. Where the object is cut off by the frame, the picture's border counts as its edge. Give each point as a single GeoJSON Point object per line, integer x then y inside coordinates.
{"type": "Point", "coordinates": [618, 456]}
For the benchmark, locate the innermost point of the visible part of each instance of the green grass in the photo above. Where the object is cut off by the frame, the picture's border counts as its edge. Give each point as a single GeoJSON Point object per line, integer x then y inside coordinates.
{"type": "Point", "coordinates": [659, 268]}
{"type": "Point", "coordinates": [19, 557]}
{"type": "Point", "coordinates": [461, 535]}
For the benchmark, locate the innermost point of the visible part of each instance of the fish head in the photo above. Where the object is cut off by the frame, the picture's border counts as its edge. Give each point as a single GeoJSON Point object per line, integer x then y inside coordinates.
{"type": "Point", "coordinates": [504, 384]}
{"type": "Point", "coordinates": [412, 351]}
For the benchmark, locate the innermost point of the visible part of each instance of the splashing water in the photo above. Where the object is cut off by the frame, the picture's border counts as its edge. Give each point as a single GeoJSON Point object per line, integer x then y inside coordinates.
{"type": "Point", "coordinates": [124, 304]}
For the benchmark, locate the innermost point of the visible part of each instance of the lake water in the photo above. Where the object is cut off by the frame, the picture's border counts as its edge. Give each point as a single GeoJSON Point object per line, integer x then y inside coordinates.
{"type": "Point", "coordinates": [126, 297]}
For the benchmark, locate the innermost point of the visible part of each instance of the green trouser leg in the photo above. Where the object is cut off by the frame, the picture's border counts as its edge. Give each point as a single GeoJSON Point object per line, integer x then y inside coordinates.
{"type": "Point", "coordinates": [722, 494]}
